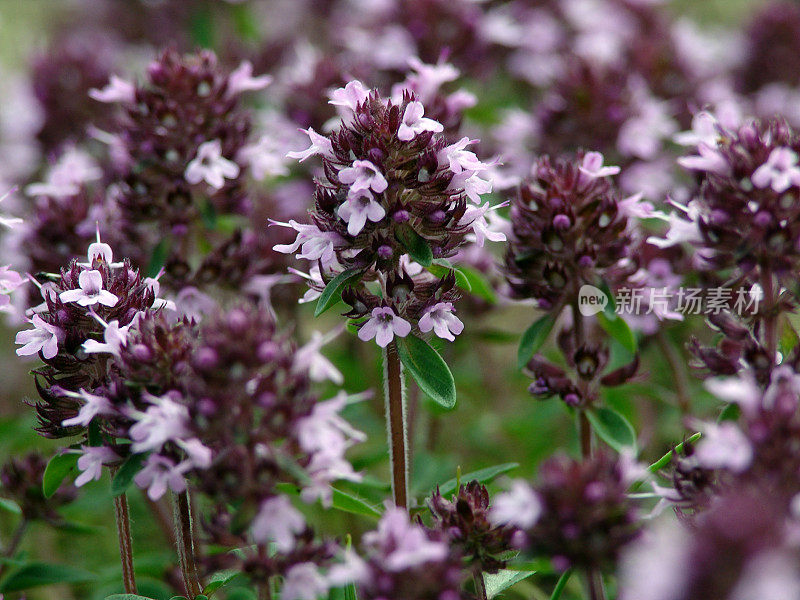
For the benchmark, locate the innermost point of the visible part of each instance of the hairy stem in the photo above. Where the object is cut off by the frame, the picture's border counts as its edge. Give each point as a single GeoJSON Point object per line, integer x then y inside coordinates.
{"type": "Point", "coordinates": [480, 584]}
{"type": "Point", "coordinates": [396, 423]}
{"type": "Point", "coordinates": [125, 546]}
{"type": "Point", "coordinates": [770, 321]}
{"type": "Point", "coordinates": [595, 583]}
{"type": "Point", "coordinates": [185, 544]}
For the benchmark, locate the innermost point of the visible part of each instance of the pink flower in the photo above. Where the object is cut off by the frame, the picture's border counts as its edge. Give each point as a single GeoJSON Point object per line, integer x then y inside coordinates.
{"type": "Point", "coordinates": [779, 172]}
{"type": "Point", "coordinates": [74, 168]}
{"type": "Point", "coordinates": [350, 96]}
{"type": "Point", "coordinates": [319, 145]}
{"type": "Point", "coordinates": [476, 216]}
{"type": "Point", "coordinates": [303, 582]}
{"type": "Point", "coordinates": [114, 339]}
{"type": "Point", "coordinates": [90, 292]}
{"type": "Point", "coordinates": [316, 245]}
{"type": "Point", "coordinates": [310, 359]}
{"type": "Point", "coordinates": [724, 446]}
{"type": "Point", "coordinates": [93, 405]}
{"type": "Point", "coordinates": [163, 421]}
{"type": "Point", "coordinates": [383, 326]}
{"type": "Point", "coordinates": [405, 544]}
{"type": "Point", "coordinates": [42, 337]}
{"type": "Point", "coordinates": [210, 166]}
{"type": "Point", "coordinates": [359, 208]}
{"type": "Point", "coordinates": [460, 159]}
{"type": "Point", "coordinates": [9, 221]}
{"type": "Point", "coordinates": [442, 321]}
{"type": "Point", "coordinates": [708, 159]}
{"type": "Point", "coordinates": [413, 123]}
{"type": "Point", "coordinates": [9, 280]}
{"type": "Point", "coordinates": [363, 176]}
{"type": "Point", "coordinates": [592, 166]}
{"type": "Point", "coordinates": [117, 90]}
{"type": "Point", "coordinates": [520, 506]}
{"type": "Point", "coordinates": [91, 463]}
{"type": "Point", "coordinates": [277, 521]}
{"type": "Point", "coordinates": [242, 80]}
{"type": "Point", "coordinates": [160, 473]}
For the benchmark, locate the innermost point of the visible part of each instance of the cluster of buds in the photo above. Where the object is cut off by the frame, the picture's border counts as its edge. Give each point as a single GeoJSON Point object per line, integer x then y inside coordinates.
{"type": "Point", "coordinates": [396, 197]}
{"type": "Point", "coordinates": [570, 227]}
{"type": "Point", "coordinates": [21, 480]}
{"type": "Point", "coordinates": [578, 514]}
{"type": "Point", "coordinates": [465, 519]}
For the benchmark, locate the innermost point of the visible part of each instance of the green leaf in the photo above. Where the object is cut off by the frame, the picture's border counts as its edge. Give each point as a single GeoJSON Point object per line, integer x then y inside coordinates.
{"type": "Point", "coordinates": [130, 597]}
{"type": "Point", "coordinates": [561, 584]}
{"type": "Point", "coordinates": [124, 476]}
{"type": "Point", "coordinates": [220, 579]}
{"type": "Point", "coordinates": [731, 412]}
{"type": "Point", "coordinates": [10, 506]}
{"type": "Point", "coordinates": [333, 291]}
{"type": "Point", "coordinates": [351, 504]}
{"type": "Point", "coordinates": [618, 329]}
{"type": "Point", "coordinates": [428, 369]}
{"type": "Point", "coordinates": [36, 574]}
{"type": "Point", "coordinates": [416, 245]}
{"type": "Point", "coordinates": [159, 257]}
{"type": "Point", "coordinates": [441, 270]}
{"type": "Point", "coordinates": [350, 592]}
{"type": "Point", "coordinates": [478, 284]}
{"type": "Point", "coordinates": [533, 339]}
{"type": "Point", "coordinates": [613, 428]}
{"type": "Point", "coordinates": [59, 467]}
{"type": "Point", "coordinates": [481, 476]}
{"type": "Point", "coordinates": [501, 581]}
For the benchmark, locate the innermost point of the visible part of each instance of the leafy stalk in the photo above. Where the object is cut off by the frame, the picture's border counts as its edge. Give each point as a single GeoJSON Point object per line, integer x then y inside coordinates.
{"type": "Point", "coordinates": [396, 423]}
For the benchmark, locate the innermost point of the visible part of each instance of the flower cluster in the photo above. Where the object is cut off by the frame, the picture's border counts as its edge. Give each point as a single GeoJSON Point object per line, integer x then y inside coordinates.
{"type": "Point", "coordinates": [578, 514]}
{"type": "Point", "coordinates": [570, 227]}
{"type": "Point", "coordinates": [465, 519]}
{"type": "Point", "coordinates": [21, 480]}
{"type": "Point", "coordinates": [394, 189]}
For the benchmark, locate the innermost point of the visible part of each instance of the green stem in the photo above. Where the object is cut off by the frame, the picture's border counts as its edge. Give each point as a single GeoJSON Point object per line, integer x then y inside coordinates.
{"type": "Point", "coordinates": [396, 423]}
{"type": "Point", "coordinates": [480, 584]}
{"type": "Point", "coordinates": [561, 584]}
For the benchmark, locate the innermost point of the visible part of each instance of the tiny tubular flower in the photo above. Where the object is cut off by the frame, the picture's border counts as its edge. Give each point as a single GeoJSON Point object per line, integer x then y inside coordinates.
{"type": "Point", "coordinates": [42, 337]}
{"type": "Point", "coordinates": [520, 506]}
{"type": "Point", "coordinates": [383, 325]}
{"type": "Point", "coordinates": [780, 172]}
{"type": "Point", "coordinates": [413, 123]}
{"type": "Point", "coordinates": [116, 90]}
{"type": "Point", "coordinates": [210, 166]}
{"type": "Point", "coordinates": [363, 175]}
{"type": "Point", "coordinates": [592, 166]}
{"type": "Point", "coordinates": [90, 291]}
{"type": "Point", "coordinates": [476, 216]}
{"type": "Point", "coordinates": [160, 473]}
{"type": "Point", "coordinates": [91, 463]}
{"type": "Point", "coordinates": [241, 80]}
{"type": "Point", "coordinates": [350, 96]}
{"type": "Point", "coordinates": [442, 321]}
{"type": "Point", "coordinates": [93, 405]}
{"type": "Point", "coordinates": [359, 208]}
{"type": "Point", "coordinates": [319, 145]}
{"type": "Point", "coordinates": [314, 244]}
{"type": "Point", "coordinates": [277, 521]}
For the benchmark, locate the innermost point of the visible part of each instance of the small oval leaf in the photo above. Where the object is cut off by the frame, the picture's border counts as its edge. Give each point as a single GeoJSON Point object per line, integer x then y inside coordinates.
{"type": "Point", "coordinates": [428, 369]}
{"type": "Point", "coordinates": [333, 291]}
{"type": "Point", "coordinates": [36, 574]}
{"type": "Point", "coordinates": [618, 329]}
{"type": "Point", "coordinates": [501, 581]}
{"type": "Point", "coordinates": [533, 339]}
{"type": "Point", "coordinates": [10, 506]}
{"type": "Point", "coordinates": [613, 428]}
{"type": "Point", "coordinates": [59, 467]}
{"type": "Point", "coordinates": [416, 245]}
{"type": "Point", "coordinates": [124, 476]}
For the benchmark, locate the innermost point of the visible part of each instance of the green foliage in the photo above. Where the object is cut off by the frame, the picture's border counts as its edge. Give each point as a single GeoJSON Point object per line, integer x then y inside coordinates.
{"type": "Point", "coordinates": [618, 329]}
{"type": "Point", "coordinates": [10, 506]}
{"type": "Point", "coordinates": [614, 429]}
{"type": "Point", "coordinates": [416, 245]}
{"type": "Point", "coordinates": [486, 475]}
{"type": "Point", "coordinates": [333, 291]}
{"type": "Point", "coordinates": [501, 581]}
{"type": "Point", "coordinates": [124, 476]}
{"type": "Point", "coordinates": [428, 369]}
{"type": "Point", "coordinates": [561, 584]}
{"type": "Point", "coordinates": [37, 574]}
{"type": "Point", "coordinates": [533, 339]}
{"type": "Point", "coordinates": [57, 470]}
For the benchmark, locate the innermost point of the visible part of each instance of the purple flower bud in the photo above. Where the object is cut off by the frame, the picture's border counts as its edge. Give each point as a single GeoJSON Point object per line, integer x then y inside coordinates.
{"type": "Point", "coordinates": [385, 251]}
{"type": "Point", "coordinates": [561, 222]}
{"type": "Point", "coordinates": [401, 216]}
{"type": "Point", "coordinates": [206, 358]}
{"type": "Point", "coordinates": [141, 352]}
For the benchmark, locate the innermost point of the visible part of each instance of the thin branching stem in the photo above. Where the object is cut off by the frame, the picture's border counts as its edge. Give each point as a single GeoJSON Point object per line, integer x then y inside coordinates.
{"type": "Point", "coordinates": [396, 423]}
{"type": "Point", "coordinates": [185, 544]}
{"type": "Point", "coordinates": [122, 515]}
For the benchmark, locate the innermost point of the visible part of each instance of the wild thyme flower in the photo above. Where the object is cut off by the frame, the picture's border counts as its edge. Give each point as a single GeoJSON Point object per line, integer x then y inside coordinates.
{"type": "Point", "coordinates": [569, 229]}
{"type": "Point", "coordinates": [466, 520]}
{"type": "Point", "coordinates": [586, 517]}
{"type": "Point", "coordinates": [21, 482]}
{"type": "Point", "coordinates": [393, 186]}
{"type": "Point", "coordinates": [404, 560]}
